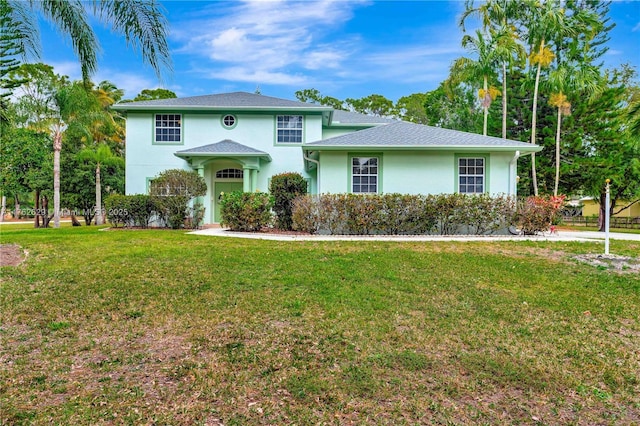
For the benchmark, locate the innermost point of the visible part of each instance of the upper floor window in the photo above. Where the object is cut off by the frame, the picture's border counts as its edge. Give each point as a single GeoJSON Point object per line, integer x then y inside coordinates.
{"type": "Point", "coordinates": [289, 129]}
{"type": "Point", "coordinates": [168, 128]}
{"type": "Point", "coordinates": [471, 175]}
{"type": "Point", "coordinates": [364, 175]}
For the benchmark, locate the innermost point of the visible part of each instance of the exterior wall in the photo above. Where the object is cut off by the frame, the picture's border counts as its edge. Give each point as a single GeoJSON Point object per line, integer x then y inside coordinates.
{"type": "Point", "coordinates": [146, 159]}
{"type": "Point", "coordinates": [591, 208]}
{"type": "Point", "coordinates": [414, 172]}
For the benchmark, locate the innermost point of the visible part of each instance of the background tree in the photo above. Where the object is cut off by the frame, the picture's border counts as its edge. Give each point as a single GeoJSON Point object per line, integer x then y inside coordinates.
{"type": "Point", "coordinates": [482, 68]}
{"type": "Point", "coordinates": [314, 96]}
{"type": "Point", "coordinates": [102, 156]}
{"type": "Point", "coordinates": [151, 95]}
{"type": "Point", "coordinates": [376, 105]}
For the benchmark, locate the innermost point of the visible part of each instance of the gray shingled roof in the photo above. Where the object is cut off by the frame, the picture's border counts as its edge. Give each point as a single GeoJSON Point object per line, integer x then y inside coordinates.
{"type": "Point", "coordinates": [235, 100]}
{"type": "Point", "coordinates": [347, 117]}
{"type": "Point", "coordinates": [404, 135]}
{"type": "Point", "coordinates": [224, 147]}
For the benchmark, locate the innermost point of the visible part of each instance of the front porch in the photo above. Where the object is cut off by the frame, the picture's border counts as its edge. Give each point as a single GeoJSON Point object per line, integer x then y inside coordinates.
{"type": "Point", "coordinates": [226, 166]}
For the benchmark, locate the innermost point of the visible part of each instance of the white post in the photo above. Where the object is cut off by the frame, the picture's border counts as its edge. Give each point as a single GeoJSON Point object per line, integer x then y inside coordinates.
{"type": "Point", "coordinates": [606, 218]}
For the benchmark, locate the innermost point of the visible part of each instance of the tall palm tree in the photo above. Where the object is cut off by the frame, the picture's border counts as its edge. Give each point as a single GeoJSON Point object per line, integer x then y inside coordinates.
{"type": "Point", "coordinates": [545, 20]}
{"type": "Point", "coordinates": [509, 51]}
{"type": "Point", "coordinates": [564, 80]}
{"type": "Point", "coordinates": [483, 68]}
{"type": "Point", "coordinates": [497, 17]}
{"type": "Point", "coordinates": [142, 23]}
{"type": "Point", "coordinates": [102, 156]}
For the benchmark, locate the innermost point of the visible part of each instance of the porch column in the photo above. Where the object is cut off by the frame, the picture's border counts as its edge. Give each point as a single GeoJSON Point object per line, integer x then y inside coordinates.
{"type": "Point", "coordinates": [200, 170]}
{"type": "Point", "coordinates": [254, 179]}
{"type": "Point", "coordinates": [246, 179]}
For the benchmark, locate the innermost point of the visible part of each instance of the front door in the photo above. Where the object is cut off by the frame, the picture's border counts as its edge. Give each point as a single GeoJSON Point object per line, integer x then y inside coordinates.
{"type": "Point", "coordinates": [221, 187]}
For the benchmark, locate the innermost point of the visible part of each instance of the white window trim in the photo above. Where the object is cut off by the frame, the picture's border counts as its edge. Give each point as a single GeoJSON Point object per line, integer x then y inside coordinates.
{"type": "Point", "coordinates": [473, 175]}
{"type": "Point", "coordinates": [156, 127]}
{"type": "Point", "coordinates": [278, 128]}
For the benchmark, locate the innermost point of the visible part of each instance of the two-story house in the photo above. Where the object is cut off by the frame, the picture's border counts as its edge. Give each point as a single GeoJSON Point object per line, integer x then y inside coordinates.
{"type": "Point", "coordinates": [237, 141]}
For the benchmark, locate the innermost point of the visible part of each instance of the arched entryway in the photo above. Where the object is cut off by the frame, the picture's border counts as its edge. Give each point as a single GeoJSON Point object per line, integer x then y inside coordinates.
{"type": "Point", "coordinates": [224, 181]}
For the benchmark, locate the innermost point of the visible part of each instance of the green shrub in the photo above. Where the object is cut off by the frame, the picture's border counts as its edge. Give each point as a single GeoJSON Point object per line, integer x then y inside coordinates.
{"type": "Point", "coordinates": [129, 210]}
{"type": "Point", "coordinates": [246, 211]}
{"type": "Point", "coordinates": [117, 209]}
{"type": "Point", "coordinates": [284, 189]}
{"type": "Point", "coordinates": [395, 214]}
{"type": "Point", "coordinates": [172, 191]}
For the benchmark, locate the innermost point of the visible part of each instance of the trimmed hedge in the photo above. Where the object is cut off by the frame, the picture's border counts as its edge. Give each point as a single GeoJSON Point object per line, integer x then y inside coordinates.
{"type": "Point", "coordinates": [401, 214]}
{"type": "Point", "coordinates": [246, 211]}
{"type": "Point", "coordinates": [141, 210]}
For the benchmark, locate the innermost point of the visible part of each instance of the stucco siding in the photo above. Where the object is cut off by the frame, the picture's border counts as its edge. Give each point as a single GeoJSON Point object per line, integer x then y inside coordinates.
{"type": "Point", "coordinates": [412, 172]}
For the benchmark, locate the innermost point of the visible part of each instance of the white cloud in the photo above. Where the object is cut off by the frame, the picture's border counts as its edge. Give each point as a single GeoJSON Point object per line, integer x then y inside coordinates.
{"type": "Point", "coordinates": [69, 68]}
{"type": "Point", "coordinates": [241, 74]}
{"type": "Point", "coordinates": [636, 28]}
{"type": "Point", "coordinates": [267, 38]}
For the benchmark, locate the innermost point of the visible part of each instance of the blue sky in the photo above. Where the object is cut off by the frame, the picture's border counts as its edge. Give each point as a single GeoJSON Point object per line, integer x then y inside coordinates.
{"type": "Point", "coordinates": [342, 48]}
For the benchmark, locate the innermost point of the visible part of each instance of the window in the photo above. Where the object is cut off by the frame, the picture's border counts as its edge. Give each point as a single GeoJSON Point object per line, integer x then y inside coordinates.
{"type": "Point", "coordinates": [364, 175]}
{"type": "Point", "coordinates": [289, 129]}
{"type": "Point", "coordinates": [168, 128]}
{"type": "Point", "coordinates": [471, 175]}
{"type": "Point", "coordinates": [229, 121]}
{"type": "Point", "coordinates": [229, 174]}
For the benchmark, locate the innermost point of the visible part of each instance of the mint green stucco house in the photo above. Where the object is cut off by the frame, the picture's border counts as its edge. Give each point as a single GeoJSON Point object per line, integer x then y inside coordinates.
{"type": "Point", "coordinates": [237, 141]}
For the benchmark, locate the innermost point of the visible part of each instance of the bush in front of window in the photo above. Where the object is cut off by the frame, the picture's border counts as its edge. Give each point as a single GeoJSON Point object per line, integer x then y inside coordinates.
{"type": "Point", "coordinates": [172, 191]}
{"type": "Point", "coordinates": [284, 188]}
{"type": "Point", "coordinates": [403, 214]}
{"type": "Point", "coordinates": [246, 211]}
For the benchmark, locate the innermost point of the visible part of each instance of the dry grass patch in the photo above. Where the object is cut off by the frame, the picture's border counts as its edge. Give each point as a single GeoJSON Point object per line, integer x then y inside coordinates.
{"type": "Point", "coordinates": [166, 328]}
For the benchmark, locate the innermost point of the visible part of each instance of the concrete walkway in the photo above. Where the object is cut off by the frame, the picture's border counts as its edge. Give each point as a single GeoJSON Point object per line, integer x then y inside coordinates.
{"type": "Point", "coordinates": [560, 236]}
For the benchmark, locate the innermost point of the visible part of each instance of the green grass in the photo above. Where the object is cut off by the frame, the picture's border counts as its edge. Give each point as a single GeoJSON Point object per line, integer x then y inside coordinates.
{"type": "Point", "coordinates": [140, 327]}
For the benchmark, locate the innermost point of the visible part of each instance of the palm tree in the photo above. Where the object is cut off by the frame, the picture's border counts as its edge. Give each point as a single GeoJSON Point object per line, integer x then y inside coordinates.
{"type": "Point", "coordinates": [508, 50]}
{"type": "Point", "coordinates": [142, 23]}
{"type": "Point", "coordinates": [496, 17]}
{"type": "Point", "coordinates": [102, 156]}
{"type": "Point", "coordinates": [483, 68]}
{"type": "Point", "coordinates": [564, 80]}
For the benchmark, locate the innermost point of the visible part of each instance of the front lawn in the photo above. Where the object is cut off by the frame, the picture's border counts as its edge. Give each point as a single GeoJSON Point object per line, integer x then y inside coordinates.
{"type": "Point", "coordinates": [161, 327]}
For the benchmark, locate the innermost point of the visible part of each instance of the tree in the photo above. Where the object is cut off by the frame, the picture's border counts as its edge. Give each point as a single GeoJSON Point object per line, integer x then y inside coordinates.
{"type": "Point", "coordinates": [25, 166]}
{"type": "Point", "coordinates": [453, 107]}
{"type": "Point", "coordinates": [154, 94]}
{"type": "Point", "coordinates": [496, 17]}
{"type": "Point", "coordinates": [411, 108]}
{"type": "Point", "coordinates": [482, 68]}
{"type": "Point", "coordinates": [315, 97]}
{"type": "Point", "coordinates": [142, 23]}
{"type": "Point", "coordinates": [102, 156]}
{"type": "Point", "coordinates": [373, 104]}
{"type": "Point", "coordinates": [563, 80]}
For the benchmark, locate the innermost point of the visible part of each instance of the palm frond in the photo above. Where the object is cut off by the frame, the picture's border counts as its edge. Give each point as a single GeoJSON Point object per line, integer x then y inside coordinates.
{"type": "Point", "coordinates": [144, 26]}
{"type": "Point", "coordinates": [70, 17]}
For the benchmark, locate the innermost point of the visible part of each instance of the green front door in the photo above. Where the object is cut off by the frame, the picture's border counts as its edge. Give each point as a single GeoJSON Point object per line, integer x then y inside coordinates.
{"type": "Point", "coordinates": [221, 187]}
